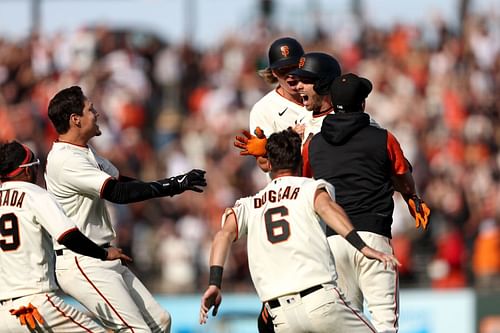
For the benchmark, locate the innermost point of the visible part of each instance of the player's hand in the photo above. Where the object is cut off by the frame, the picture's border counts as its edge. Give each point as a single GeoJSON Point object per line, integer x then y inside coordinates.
{"type": "Point", "coordinates": [299, 129]}
{"type": "Point", "coordinates": [28, 315]}
{"type": "Point", "coordinates": [254, 145]}
{"type": "Point", "coordinates": [192, 181]}
{"type": "Point", "coordinates": [211, 297]}
{"type": "Point", "coordinates": [419, 210]}
{"type": "Point", "coordinates": [116, 253]}
{"type": "Point", "coordinates": [389, 260]}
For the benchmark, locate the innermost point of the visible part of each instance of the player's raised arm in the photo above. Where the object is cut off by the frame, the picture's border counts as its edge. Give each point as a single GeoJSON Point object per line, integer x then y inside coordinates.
{"type": "Point", "coordinates": [221, 245]}
{"type": "Point", "coordinates": [337, 219]}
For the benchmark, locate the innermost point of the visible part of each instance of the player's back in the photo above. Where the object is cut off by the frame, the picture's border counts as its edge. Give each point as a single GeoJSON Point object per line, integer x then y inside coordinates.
{"type": "Point", "coordinates": [24, 263]}
{"type": "Point", "coordinates": [287, 247]}
{"type": "Point", "coordinates": [26, 256]}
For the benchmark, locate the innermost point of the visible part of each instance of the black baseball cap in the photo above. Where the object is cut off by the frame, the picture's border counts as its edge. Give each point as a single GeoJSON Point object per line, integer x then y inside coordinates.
{"type": "Point", "coordinates": [284, 52]}
{"type": "Point", "coordinates": [348, 92]}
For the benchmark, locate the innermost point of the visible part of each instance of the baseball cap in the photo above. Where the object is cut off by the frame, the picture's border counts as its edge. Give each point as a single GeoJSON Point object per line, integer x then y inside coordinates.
{"type": "Point", "coordinates": [316, 65]}
{"type": "Point", "coordinates": [348, 92]}
{"type": "Point", "coordinates": [284, 52]}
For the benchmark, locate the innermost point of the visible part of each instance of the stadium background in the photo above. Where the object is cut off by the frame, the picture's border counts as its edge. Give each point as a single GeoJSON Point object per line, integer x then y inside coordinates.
{"type": "Point", "coordinates": [173, 99]}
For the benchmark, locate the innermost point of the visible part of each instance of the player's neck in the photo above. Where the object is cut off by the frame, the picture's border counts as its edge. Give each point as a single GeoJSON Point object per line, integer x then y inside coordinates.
{"type": "Point", "coordinates": [73, 138]}
{"type": "Point", "coordinates": [283, 173]}
{"type": "Point", "coordinates": [293, 98]}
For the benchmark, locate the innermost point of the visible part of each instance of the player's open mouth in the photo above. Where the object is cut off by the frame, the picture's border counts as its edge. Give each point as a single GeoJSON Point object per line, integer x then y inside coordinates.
{"type": "Point", "coordinates": [304, 97]}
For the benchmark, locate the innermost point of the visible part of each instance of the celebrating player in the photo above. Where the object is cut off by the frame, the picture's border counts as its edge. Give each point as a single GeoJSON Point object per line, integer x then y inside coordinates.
{"type": "Point", "coordinates": [80, 180]}
{"type": "Point", "coordinates": [29, 216]}
{"type": "Point", "coordinates": [288, 255]}
{"type": "Point", "coordinates": [365, 164]}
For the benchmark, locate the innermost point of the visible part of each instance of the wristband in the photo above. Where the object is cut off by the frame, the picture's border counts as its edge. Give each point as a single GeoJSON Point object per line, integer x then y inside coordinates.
{"type": "Point", "coordinates": [356, 241]}
{"type": "Point", "coordinates": [105, 255]}
{"type": "Point", "coordinates": [215, 276]}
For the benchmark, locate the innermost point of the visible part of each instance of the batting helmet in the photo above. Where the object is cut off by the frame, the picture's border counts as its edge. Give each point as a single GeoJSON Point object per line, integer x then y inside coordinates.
{"type": "Point", "coordinates": [320, 67]}
{"type": "Point", "coordinates": [284, 52]}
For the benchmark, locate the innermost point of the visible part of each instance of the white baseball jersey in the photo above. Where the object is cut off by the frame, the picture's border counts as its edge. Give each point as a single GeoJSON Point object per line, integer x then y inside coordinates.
{"type": "Point", "coordinates": [274, 113]}
{"type": "Point", "coordinates": [75, 175]}
{"type": "Point", "coordinates": [29, 216]}
{"type": "Point", "coordinates": [287, 247]}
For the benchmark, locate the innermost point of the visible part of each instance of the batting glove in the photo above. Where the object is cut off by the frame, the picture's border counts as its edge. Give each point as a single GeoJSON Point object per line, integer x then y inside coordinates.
{"type": "Point", "coordinates": [192, 181]}
{"type": "Point", "coordinates": [28, 315]}
{"type": "Point", "coordinates": [419, 210]}
{"type": "Point", "coordinates": [254, 145]}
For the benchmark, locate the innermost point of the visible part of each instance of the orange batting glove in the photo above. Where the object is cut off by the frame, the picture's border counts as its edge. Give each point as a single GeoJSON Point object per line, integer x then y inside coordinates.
{"type": "Point", "coordinates": [28, 315]}
{"type": "Point", "coordinates": [254, 145]}
{"type": "Point", "coordinates": [419, 210]}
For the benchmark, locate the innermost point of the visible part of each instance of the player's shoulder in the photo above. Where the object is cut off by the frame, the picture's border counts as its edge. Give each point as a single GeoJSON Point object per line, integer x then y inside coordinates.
{"type": "Point", "coordinates": [27, 187]}
{"type": "Point", "coordinates": [268, 100]}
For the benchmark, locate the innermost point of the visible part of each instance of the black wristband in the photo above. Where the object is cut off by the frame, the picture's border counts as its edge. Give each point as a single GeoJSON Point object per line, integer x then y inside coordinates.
{"type": "Point", "coordinates": [215, 276]}
{"type": "Point", "coordinates": [105, 255]}
{"type": "Point", "coordinates": [356, 241]}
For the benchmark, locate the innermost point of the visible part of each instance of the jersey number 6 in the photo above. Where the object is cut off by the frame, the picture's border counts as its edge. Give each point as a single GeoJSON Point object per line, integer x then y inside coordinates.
{"type": "Point", "coordinates": [277, 228]}
{"type": "Point", "coordinates": [9, 230]}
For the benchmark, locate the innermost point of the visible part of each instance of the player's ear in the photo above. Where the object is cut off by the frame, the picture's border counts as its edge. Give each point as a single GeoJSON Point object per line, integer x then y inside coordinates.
{"type": "Point", "coordinates": [268, 165]}
{"type": "Point", "coordinates": [75, 119]}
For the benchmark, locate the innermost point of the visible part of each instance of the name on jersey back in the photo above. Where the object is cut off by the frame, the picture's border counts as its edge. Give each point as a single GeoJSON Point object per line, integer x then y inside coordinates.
{"type": "Point", "coordinates": [11, 198]}
{"type": "Point", "coordinates": [287, 193]}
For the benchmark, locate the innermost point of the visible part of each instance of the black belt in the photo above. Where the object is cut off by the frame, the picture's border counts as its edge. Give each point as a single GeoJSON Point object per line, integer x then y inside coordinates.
{"type": "Point", "coordinates": [274, 303]}
{"type": "Point", "coordinates": [60, 252]}
{"type": "Point", "coordinates": [2, 302]}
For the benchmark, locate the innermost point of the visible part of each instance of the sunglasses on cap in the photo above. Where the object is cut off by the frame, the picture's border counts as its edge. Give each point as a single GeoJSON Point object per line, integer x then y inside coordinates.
{"type": "Point", "coordinates": [26, 165]}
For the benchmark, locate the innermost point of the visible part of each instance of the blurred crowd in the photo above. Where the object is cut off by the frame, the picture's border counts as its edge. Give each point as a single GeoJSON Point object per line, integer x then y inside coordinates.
{"type": "Point", "coordinates": [166, 108]}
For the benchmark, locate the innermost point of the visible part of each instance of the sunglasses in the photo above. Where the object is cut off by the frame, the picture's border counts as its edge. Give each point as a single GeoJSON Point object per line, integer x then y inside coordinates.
{"type": "Point", "coordinates": [26, 165]}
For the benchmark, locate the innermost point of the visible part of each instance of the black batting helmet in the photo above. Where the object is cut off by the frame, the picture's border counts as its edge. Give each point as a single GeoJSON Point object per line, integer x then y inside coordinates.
{"type": "Point", "coordinates": [320, 67]}
{"type": "Point", "coordinates": [284, 52]}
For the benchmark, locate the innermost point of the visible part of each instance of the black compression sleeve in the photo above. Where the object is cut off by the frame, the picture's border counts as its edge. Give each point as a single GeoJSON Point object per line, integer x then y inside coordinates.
{"type": "Point", "coordinates": [77, 242]}
{"type": "Point", "coordinates": [123, 192]}
{"type": "Point", "coordinates": [356, 241]}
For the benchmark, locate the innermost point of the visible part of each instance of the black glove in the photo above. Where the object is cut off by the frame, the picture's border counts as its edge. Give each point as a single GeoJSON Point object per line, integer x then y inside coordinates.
{"type": "Point", "coordinates": [188, 181]}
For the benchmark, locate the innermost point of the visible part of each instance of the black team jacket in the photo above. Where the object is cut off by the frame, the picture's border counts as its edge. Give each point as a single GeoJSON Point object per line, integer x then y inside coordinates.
{"type": "Point", "coordinates": [358, 160]}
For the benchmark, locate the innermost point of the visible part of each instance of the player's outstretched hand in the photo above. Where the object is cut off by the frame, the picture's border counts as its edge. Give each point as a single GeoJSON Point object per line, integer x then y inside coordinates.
{"type": "Point", "coordinates": [192, 181]}
{"type": "Point", "coordinates": [389, 260]}
{"type": "Point", "coordinates": [254, 145]}
{"type": "Point", "coordinates": [419, 210]}
{"type": "Point", "coordinates": [211, 297]}
{"type": "Point", "coordinates": [116, 253]}
{"type": "Point", "coordinates": [28, 315]}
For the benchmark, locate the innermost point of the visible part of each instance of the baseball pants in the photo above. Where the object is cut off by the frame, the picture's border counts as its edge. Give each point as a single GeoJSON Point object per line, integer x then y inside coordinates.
{"type": "Point", "coordinates": [112, 293]}
{"type": "Point", "coordinates": [322, 311]}
{"type": "Point", "coordinates": [362, 279]}
{"type": "Point", "coordinates": [58, 316]}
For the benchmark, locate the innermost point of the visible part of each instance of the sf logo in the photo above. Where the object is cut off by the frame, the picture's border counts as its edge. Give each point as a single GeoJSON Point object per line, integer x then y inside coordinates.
{"type": "Point", "coordinates": [302, 61]}
{"type": "Point", "coordinates": [285, 51]}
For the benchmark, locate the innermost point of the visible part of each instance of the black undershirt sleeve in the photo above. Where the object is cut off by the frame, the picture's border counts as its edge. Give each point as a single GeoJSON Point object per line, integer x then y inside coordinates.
{"type": "Point", "coordinates": [79, 243]}
{"type": "Point", "coordinates": [123, 192]}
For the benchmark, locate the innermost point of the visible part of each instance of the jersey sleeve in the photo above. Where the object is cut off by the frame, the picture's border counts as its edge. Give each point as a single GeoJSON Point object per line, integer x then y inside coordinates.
{"type": "Point", "coordinates": [399, 165]}
{"type": "Point", "coordinates": [323, 184]}
{"type": "Point", "coordinates": [240, 211]}
{"type": "Point", "coordinates": [50, 215]}
{"type": "Point", "coordinates": [79, 174]}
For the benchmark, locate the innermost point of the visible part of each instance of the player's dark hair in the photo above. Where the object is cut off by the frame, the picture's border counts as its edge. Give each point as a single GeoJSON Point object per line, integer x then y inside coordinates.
{"type": "Point", "coordinates": [284, 150]}
{"type": "Point", "coordinates": [65, 103]}
{"type": "Point", "coordinates": [12, 155]}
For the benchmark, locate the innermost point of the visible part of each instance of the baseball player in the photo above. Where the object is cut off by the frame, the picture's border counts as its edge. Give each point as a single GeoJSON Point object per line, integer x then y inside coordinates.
{"type": "Point", "coordinates": [281, 107]}
{"type": "Point", "coordinates": [365, 164]}
{"type": "Point", "coordinates": [29, 217]}
{"type": "Point", "coordinates": [80, 180]}
{"type": "Point", "coordinates": [288, 255]}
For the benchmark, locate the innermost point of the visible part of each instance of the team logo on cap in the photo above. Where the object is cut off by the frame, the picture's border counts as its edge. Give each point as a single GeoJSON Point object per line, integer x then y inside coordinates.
{"type": "Point", "coordinates": [302, 61]}
{"type": "Point", "coordinates": [285, 51]}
